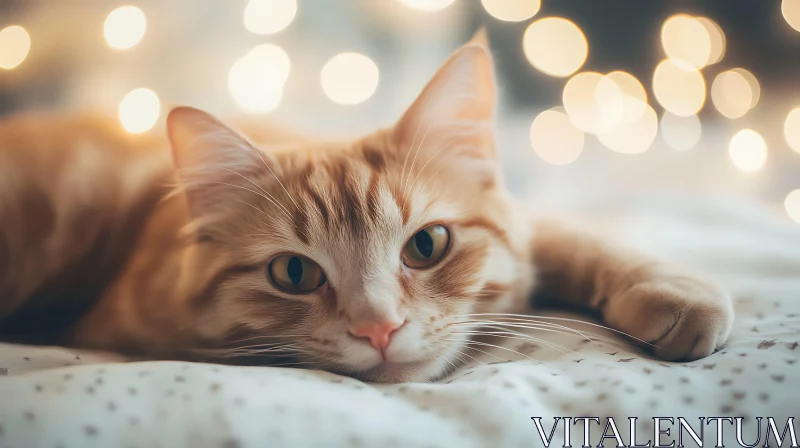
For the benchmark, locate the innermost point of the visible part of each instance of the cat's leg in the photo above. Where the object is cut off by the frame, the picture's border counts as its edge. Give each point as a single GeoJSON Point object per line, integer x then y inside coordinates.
{"type": "Point", "coordinates": [684, 317]}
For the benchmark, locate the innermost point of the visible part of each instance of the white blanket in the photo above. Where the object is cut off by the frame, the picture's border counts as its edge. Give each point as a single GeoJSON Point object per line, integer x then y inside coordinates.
{"type": "Point", "coordinates": [62, 398]}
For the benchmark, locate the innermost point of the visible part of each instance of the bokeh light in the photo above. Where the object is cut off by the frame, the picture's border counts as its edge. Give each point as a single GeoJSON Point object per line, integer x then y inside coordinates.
{"type": "Point", "coordinates": [635, 97]}
{"type": "Point", "coordinates": [718, 40]}
{"type": "Point", "coordinates": [125, 27]}
{"type": "Point", "coordinates": [555, 46]}
{"type": "Point", "coordinates": [748, 150]}
{"type": "Point", "coordinates": [731, 94]}
{"type": "Point", "coordinates": [349, 78]}
{"type": "Point", "coordinates": [792, 204]}
{"type": "Point", "coordinates": [791, 129]}
{"type": "Point", "coordinates": [512, 10]}
{"type": "Point", "coordinates": [15, 44]}
{"type": "Point", "coordinates": [269, 16]}
{"type": "Point", "coordinates": [681, 133]}
{"type": "Point", "coordinates": [679, 87]}
{"type": "Point", "coordinates": [594, 103]}
{"type": "Point", "coordinates": [139, 110]}
{"type": "Point", "coordinates": [555, 139]}
{"type": "Point", "coordinates": [256, 80]}
{"type": "Point", "coordinates": [686, 38]}
{"type": "Point", "coordinates": [791, 12]}
{"type": "Point", "coordinates": [427, 5]}
{"type": "Point", "coordinates": [632, 137]}
{"type": "Point", "coordinates": [755, 87]}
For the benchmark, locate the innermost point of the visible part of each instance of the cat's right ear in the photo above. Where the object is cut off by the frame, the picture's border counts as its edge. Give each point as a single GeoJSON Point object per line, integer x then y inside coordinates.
{"type": "Point", "coordinates": [213, 162]}
{"type": "Point", "coordinates": [456, 106]}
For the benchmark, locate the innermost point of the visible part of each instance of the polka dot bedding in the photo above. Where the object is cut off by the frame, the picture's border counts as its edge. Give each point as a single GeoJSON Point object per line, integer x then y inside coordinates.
{"type": "Point", "coordinates": [52, 397]}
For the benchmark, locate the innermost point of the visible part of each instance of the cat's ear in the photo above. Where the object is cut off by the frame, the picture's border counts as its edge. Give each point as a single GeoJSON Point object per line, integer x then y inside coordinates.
{"type": "Point", "coordinates": [457, 105]}
{"type": "Point", "coordinates": [213, 162]}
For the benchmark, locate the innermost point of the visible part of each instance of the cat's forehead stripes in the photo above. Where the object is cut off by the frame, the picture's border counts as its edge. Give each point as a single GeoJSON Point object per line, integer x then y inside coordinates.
{"type": "Point", "coordinates": [349, 192]}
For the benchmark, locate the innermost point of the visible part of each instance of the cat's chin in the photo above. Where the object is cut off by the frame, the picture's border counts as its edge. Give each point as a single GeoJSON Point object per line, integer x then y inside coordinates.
{"type": "Point", "coordinates": [401, 372]}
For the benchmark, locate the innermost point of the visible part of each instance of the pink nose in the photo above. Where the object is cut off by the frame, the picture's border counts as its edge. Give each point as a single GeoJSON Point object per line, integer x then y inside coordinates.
{"type": "Point", "coordinates": [379, 335]}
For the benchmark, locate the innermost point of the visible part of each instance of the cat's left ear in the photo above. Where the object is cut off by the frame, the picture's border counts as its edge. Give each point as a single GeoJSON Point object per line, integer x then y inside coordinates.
{"type": "Point", "coordinates": [214, 163]}
{"type": "Point", "coordinates": [457, 106]}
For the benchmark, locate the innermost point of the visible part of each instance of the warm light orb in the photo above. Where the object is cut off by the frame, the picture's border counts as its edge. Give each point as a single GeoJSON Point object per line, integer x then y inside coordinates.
{"type": "Point", "coordinates": [427, 5]}
{"type": "Point", "coordinates": [555, 139]}
{"type": "Point", "coordinates": [791, 13]}
{"type": "Point", "coordinates": [718, 40]}
{"type": "Point", "coordinates": [139, 110]}
{"type": "Point", "coordinates": [792, 204]}
{"type": "Point", "coordinates": [635, 97]}
{"type": "Point", "coordinates": [679, 87]}
{"type": "Point", "coordinates": [748, 150]}
{"type": "Point", "coordinates": [256, 80]}
{"type": "Point", "coordinates": [269, 16]}
{"type": "Point", "coordinates": [555, 46]}
{"type": "Point", "coordinates": [686, 38]}
{"type": "Point", "coordinates": [681, 133]}
{"type": "Point", "coordinates": [791, 129]}
{"type": "Point", "coordinates": [632, 137]}
{"type": "Point", "coordinates": [349, 78]}
{"type": "Point", "coordinates": [512, 10]}
{"type": "Point", "coordinates": [594, 103]}
{"type": "Point", "coordinates": [755, 87]}
{"type": "Point", "coordinates": [124, 27]}
{"type": "Point", "coordinates": [732, 94]}
{"type": "Point", "coordinates": [15, 43]}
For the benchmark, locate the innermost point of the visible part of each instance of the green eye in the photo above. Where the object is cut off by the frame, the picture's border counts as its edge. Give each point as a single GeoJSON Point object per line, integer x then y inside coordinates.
{"type": "Point", "coordinates": [426, 247]}
{"type": "Point", "coordinates": [296, 274]}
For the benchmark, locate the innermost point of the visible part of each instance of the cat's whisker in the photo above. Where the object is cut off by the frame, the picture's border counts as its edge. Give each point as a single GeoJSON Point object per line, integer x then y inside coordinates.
{"type": "Point", "coordinates": [268, 225]}
{"type": "Point", "coordinates": [470, 347]}
{"type": "Point", "coordinates": [411, 189]}
{"type": "Point", "coordinates": [423, 119]}
{"type": "Point", "coordinates": [288, 364]}
{"type": "Point", "coordinates": [262, 346]}
{"type": "Point", "coordinates": [499, 347]}
{"type": "Point", "coordinates": [447, 344]}
{"type": "Point", "coordinates": [538, 361]}
{"type": "Point", "coordinates": [253, 183]}
{"type": "Point", "coordinates": [496, 330]}
{"type": "Point", "coordinates": [257, 346]}
{"type": "Point", "coordinates": [243, 353]}
{"type": "Point", "coordinates": [597, 341]}
{"type": "Point", "coordinates": [458, 355]}
{"type": "Point", "coordinates": [408, 152]}
{"type": "Point", "coordinates": [462, 351]}
{"type": "Point", "coordinates": [270, 336]}
{"type": "Point", "coordinates": [521, 337]}
{"type": "Point", "coordinates": [534, 319]}
{"type": "Point", "coordinates": [545, 327]}
{"type": "Point", "coordinates": [414, 161]}
{"type": "Point", "coordinates": [253, 148]}
{"type": "Point", "coordinates": [450, 366]}
{"type": "Point", "coordinates": [534, 325]}
{"type": "Point", "coordinates": [277, 204]}
{"type": "Point", "coordinates": [424, 187]}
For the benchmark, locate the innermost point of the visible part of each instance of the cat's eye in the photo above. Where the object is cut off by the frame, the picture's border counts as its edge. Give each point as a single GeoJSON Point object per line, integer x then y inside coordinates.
{"type": "Point", "coordinates": [296, 274]}
{"type": "Point", "coordinates": [426, 247]}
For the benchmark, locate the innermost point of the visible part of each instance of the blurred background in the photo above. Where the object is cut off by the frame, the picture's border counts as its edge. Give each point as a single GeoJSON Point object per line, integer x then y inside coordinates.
{"type": "Point", "coordinates": [599, 97]}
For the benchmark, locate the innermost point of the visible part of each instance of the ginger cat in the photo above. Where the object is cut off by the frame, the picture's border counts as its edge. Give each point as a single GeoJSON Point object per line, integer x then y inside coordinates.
{"type": "Point", "coordinates": [369, 258]}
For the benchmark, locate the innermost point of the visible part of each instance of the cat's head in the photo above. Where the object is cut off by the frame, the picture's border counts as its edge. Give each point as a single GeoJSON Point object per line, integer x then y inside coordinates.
{"type": "Point", "coordinates": [366, 257]}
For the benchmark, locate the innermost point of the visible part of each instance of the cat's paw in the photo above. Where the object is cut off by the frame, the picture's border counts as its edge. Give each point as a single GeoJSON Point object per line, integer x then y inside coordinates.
{"type": "Point", "coordinates": [682, 317]}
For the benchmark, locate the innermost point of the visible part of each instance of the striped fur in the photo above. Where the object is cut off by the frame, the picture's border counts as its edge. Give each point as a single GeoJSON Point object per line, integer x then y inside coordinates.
{"type": "Point", "coordinates": [95, 251]}
{"type": "Point", "coordinates": [194, 281]}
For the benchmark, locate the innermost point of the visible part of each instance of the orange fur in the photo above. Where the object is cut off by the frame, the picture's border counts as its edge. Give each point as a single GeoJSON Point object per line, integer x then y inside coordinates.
{"type": "Point", "coordinates": [89, 231]}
